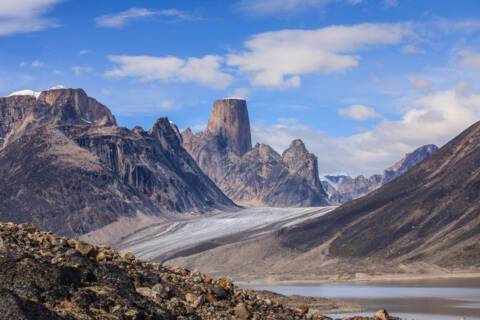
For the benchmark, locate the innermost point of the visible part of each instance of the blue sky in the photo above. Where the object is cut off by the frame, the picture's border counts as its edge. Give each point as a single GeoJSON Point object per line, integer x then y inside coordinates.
{"type": "Point", "coordinates": [360, 81]}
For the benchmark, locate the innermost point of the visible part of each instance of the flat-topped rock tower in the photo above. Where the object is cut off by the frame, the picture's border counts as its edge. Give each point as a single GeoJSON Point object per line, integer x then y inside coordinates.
{"type": "Point", "coordinates": [229, 119]}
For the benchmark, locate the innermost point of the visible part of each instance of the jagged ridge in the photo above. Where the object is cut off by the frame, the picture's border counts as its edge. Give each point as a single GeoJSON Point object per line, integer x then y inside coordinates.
{"type": "Point", "coordinates": [258, 175]}
{"type": "Point", "coordinates": [66, 166]}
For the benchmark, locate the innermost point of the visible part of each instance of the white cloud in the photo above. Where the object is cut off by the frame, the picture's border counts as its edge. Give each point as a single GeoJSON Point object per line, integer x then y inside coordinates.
{"type": "Point", "coordinates": [84, 52]}
{"type": "Point", "coordinates": [271, 7]}
{"type": "Point", "coordinates": [419, 83]}
{"type": "Point", "coordinates": [278, 59]}
{"type": "Point", "coordinates": [33, 64]}
{"type": "Point", "coordinates": [205, 70]}
{"type": "Point", "coordinates": [21, 16]}
{"type": "Point", "coordinates": [120, 19]}
{"type": "Point", "coordinates": [434, 118]}
{"type": "Point", "coordinates": [359, 112]}
{"type": "Point", "coordinates": [81, 70]}
{"type": "Point", "coordinates": [470, 59]}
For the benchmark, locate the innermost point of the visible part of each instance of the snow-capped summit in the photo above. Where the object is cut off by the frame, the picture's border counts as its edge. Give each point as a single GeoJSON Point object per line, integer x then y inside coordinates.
{"type": "Point", "coordinates": [26, 92]}
{"type": "Point", "coordinates": [234, 98]}
{"type": "Point", "coordinates": [58, 86]}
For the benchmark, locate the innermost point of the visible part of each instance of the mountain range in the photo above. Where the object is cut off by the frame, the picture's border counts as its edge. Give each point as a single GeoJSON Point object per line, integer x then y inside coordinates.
{"type": "Point", "coordinates": [343, 188]}
{"type": "Point", "coordinates": [67, 166]}
{"type": "Point", "coordinates": [425, 221]}
{"type": "Point", "coordinates": [253, 176]}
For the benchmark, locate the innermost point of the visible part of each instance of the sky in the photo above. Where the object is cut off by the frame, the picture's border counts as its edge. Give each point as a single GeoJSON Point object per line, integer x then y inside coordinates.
{"type": "Point", "coordinates": [362, 82]}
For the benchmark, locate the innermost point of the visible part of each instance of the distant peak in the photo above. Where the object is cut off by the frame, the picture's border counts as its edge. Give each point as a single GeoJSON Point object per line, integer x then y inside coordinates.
{"type": "Point", "coordinates": [297, 142]}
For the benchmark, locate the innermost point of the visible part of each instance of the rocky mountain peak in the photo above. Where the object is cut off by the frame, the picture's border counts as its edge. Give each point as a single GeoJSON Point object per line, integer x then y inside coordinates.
{"type": "Point", "coordinates": [74, 106]}
{"type": "Point", "coordinates": [90, 171]}
{"type": "Point", "coordinates": [166, 133]}
{"type": "Point", "coordinates": [411, 159]}
{"type": "Point", "coordinates": [298, 143]}
{"type": "Point", "coordinates": [301, 162]}
{"type": "Point", "coordinates": [229, 119]}
{"type": "Point", "coordinates": [264, 153]}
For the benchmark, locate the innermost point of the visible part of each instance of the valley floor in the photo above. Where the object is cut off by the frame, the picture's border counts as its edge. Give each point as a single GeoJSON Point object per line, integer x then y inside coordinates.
{"type": "Point", "coordinates": [169, 239]}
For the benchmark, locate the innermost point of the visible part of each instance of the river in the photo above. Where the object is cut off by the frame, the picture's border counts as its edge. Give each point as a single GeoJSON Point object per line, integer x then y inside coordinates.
{"type": "Point", "coordinates": [420, 299]}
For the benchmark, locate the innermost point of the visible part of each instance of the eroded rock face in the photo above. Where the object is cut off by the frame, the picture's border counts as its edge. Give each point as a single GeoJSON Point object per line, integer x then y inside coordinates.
{"type": "Point", "coordinates": [229, 120]}
{"type": "Point", "coordinates": [258, 176]}
{"type": "Point", "coordinates": [66, 166]}
{"type": "Point", "coordinates": [302, 163]}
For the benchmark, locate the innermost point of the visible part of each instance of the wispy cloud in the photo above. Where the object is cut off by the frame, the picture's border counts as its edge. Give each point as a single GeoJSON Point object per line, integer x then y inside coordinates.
{"type": "Point", "coordinates": [419, 82]}
{"type": "Point", "coordinates": [279, 59]}
{"type": "Point", "coordinates": [391, 3]}
{"type": "Point", "coordinates": [272, 7]}
{"type": "Point", "coordinates": [470, 59]}
{"type": "Point", "coordinates": [120, 19]}
{"type": "Point", "coordinates": [33, 64]}
{"type": "Point", "coordinates": [81, 70]}
{"type": "Point", "coordinates": [359, 112]}
{"type": "Point", "coordinates": [411, 49]}
{"type": "Point", "coordinates": [25, 16]}
{"type": "Point", "coordinates": [206, 70]}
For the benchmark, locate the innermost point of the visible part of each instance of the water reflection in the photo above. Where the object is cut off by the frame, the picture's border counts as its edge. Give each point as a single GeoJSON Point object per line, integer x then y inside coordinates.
{"type": "Point", "coordinates": [422, 300]}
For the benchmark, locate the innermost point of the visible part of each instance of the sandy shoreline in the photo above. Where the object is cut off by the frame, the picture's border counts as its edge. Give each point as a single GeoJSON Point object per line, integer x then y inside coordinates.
{"type": "Point", "coordinates": [360, 278]}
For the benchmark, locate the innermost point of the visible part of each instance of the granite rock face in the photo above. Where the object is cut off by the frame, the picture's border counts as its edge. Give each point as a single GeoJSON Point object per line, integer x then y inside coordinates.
{"type": "Point", "coordinates": [66, 166]}
{"type": "Point", "coordinates": [343, 188]}
{"type": "Point", "coordinates": [230, 122]}
{"type": "Point", "coordinates": [254, 176]}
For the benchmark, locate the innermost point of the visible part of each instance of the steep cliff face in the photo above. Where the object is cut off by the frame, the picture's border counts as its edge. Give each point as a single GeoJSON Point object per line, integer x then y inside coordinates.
{"type": "Point", "coordinates": [258, 176]}
{"type": "Point", "coordinates": [229, 121]}
{"type": "Point", "coordinates": [343, 188]}
{"type": "Point", "coordinates": [302, 163]}
{"type": "Point", "coordinates": [66, 166]}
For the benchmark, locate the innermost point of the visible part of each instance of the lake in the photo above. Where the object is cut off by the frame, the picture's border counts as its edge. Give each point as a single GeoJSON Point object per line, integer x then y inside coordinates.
{"type": "Point", "coordinates": [420, 299]}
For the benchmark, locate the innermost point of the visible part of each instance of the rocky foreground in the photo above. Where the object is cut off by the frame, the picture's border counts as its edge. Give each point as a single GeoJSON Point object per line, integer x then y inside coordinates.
{"type": "Point", "coordinates": [43, 276]}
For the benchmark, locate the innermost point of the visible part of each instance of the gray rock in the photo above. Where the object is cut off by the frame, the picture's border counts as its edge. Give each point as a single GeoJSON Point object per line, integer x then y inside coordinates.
{"type": "Point", "coordinates": [258, 175]}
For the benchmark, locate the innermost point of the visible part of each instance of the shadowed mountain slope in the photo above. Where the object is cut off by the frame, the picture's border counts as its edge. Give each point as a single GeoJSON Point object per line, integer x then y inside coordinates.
{"type": "Point", "coordinates": [430, 213]}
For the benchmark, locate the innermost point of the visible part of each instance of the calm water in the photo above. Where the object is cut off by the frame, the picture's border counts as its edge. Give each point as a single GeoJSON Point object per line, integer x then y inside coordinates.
{"type": "Point", "coordinates": [422, 300]}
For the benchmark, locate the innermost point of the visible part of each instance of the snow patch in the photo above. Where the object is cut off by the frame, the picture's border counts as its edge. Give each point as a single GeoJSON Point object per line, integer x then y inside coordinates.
{"type": "Point", "coordinates": [58, 86]}
{"type": "Point", "coordinates": [234, 98]}
{"type": "Point", "coordinates": [25, 93]}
